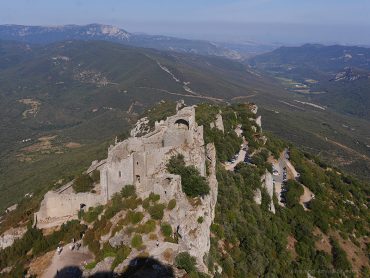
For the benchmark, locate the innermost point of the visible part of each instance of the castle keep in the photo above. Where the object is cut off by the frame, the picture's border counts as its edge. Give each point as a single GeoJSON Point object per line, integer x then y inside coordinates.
{"type": "Point", "coordinates": [141, 160]}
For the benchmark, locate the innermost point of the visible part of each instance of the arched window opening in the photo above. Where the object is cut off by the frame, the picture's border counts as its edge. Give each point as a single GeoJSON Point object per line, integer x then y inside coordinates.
{"type": "Point", "coordinates": [182, 123]}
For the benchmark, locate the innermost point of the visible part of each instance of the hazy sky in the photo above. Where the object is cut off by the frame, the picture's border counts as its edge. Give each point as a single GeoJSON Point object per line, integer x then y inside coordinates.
{"type": "Point", "coordinates": [265, 20]}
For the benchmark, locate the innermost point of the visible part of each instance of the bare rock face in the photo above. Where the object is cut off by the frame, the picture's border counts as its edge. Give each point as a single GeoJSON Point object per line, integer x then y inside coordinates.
{"type": "Point", "coordinates": [193, 221]}
{"type": "Point", "coordinates": [258, 196]}
{"type": "Point", "coordinates": [268, 184]}
{"type": "Point", "coordinates": [254, 108]}
{"type": "Point", "coordinates": [218, 123]}
{"type": "Point", "coordinates": [8, 238]}
{"type": "Point", "coordinates": [259, 121]}
{"type": "Point", "coordinates": [141, 127]}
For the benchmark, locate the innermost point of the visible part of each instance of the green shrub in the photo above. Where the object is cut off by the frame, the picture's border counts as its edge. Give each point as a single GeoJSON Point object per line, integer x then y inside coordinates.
{"type": "Point", "coordinates": [293, 193]}
{"type": "Point", "coordinates": [128, 190]}
{"type": "Point", "coordinates": [121, 254]}
{"type": "Point", "coordinates": [340, 261]}
{"type": "Point", "coordinates": [90, 265]}
{"type": "Point", "coordinates": [108, 251]}
{"type": "Point", "coordinates": [186, 262]}
{"type": "Point", "coordinates": [166, 229]}
{"type": "Point", "coordinates": [136, 241]}
{"type": "Point", "coordinates": [116, 206]}
{"type": "Point", "coordinates": [95, 175]}
{"type": "Point", "coordinates": [134, 217]}
{"type": "Point", "coordinates": [171, 204]}
{"type": "Point", "coordinates": [193, 184]}
{"type": "Point", "coordinates": [83, 183]}
{"type": "Point", "coordinates": [146, 203]}
{"type": "Point", "coordinates": [147, 227]}
{"type": "Point", "coordinates": [156, 211]}
{"type": "Point", "coordinates": [131, 203]}
{"type": "Point", "coordinates": [154, 197]}
{"type": "Point", "coordinates": [92, 214]}
{"type": "Point", "coordinates": [218, 230]}
{"type": "Point", "coordinates": [200, 219]}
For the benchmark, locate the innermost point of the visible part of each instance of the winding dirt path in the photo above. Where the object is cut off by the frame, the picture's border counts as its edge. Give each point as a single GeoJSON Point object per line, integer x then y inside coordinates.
{"type": "Point", "coordinates": [185, 95]}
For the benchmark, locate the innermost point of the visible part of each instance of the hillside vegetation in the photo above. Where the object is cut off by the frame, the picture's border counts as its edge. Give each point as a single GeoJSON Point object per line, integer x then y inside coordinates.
{"type": "Point", "coordinates": [250, 241]}
{"type": "Point", "coordinates": [59, 102]}
{"type": "Point", "coordinates": [326, 238]}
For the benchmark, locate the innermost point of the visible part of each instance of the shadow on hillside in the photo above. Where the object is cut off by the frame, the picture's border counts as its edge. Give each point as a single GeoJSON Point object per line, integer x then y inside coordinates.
{"type": "Point", "coordinates": [138, 268]}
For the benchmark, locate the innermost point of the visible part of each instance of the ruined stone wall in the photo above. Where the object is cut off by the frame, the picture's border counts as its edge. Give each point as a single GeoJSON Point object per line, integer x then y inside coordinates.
{"type": "Point", "coordinates": [117, 174]}
{"type": "Point", "coordinates": [57, 205]}
{"type": "Point", "coordinates": [167, 186]}
{"type": "Point", "coordinates": [156, 160]}
{"type": "Point", "coordinates": [176, 137]}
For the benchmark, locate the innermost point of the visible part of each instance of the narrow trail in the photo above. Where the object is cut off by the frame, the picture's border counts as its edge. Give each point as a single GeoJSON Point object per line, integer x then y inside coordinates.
{"type": "Point", "coordinates": [243, 97]}
{"type": "Point", "coordinates": [130, 108]}
{"type": "Point", "coordinates": [185, 95]}
{"type": "Point", "coordinates": [348, 149]}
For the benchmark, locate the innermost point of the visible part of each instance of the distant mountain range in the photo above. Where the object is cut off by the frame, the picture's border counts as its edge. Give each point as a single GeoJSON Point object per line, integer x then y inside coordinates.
{"type": "Point", "coordinates": [334, 76]}
{"type": "Point", "coordinates": [44, 35]}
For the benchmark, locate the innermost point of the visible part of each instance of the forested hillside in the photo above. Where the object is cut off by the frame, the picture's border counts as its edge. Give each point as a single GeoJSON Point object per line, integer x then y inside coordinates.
{"type": "Point", "coordinates": [326, 236]}
{"type": "Point", "coordinates": [59, 102]}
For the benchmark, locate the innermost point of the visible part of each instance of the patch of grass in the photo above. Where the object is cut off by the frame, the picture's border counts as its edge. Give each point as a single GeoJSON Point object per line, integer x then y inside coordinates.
{"type": "Point", "coordinates": [121, 254]}
{"type": "Point", "coordinates": [166, 229]}
{"type": "Point", "coordinates": [92, 214]}
{"type": "Point", "coordinates": [147, 227]}
{"type": "Point", "coordinates": [156, 211]}
{"type": "Point", "coordinates": [91, 265]}
{"type": "Point", "coordinates": [154, 197]}
{"type": "Point", "coordinates": [134, 217]}
{"type": "Point", "coordinates": [136, 241]}
{"type": "Point", "coordinates": [186, 262]}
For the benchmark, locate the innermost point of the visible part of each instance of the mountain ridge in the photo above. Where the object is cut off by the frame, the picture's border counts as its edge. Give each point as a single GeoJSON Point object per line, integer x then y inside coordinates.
{"type": "Point", "coordinates": [50, 34]}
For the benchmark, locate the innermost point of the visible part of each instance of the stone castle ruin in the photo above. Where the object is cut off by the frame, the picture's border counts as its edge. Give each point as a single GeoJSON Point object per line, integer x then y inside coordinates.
{"type": "Point", "coordinates": [141, 161]}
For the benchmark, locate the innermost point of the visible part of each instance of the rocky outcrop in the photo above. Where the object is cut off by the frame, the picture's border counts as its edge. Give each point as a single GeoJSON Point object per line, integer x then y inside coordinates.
{"type": "Point", "coordinates": [268, 184]}
{"type": "Point", "coordinates": [218, 123]}
{"type": "Point", "coordinates": [8, 238]}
